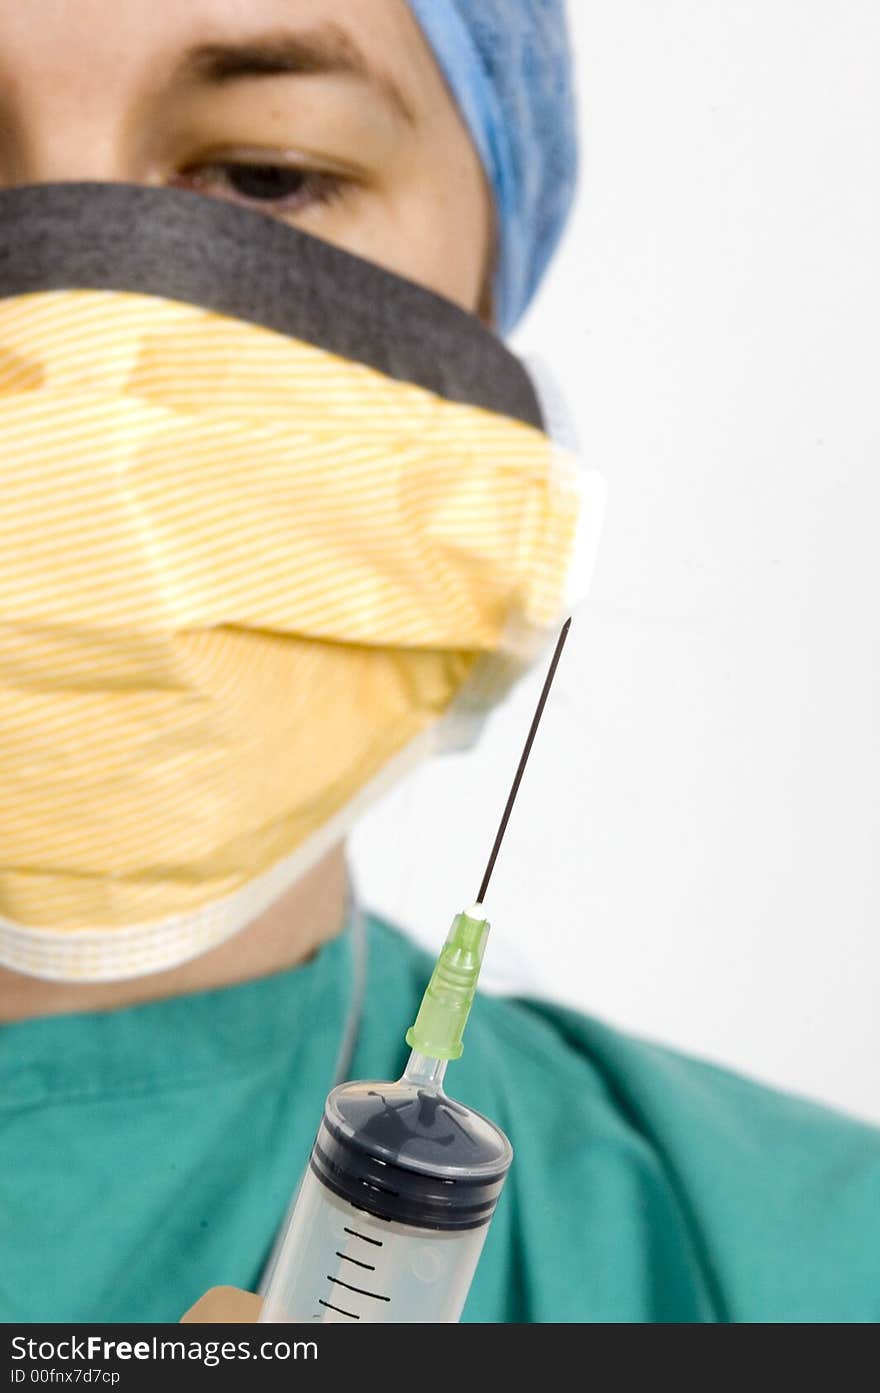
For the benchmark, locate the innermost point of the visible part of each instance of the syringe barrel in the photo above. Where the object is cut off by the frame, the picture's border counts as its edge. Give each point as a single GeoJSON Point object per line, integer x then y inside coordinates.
{"type": "Point", "coordinates": [341, 1264]}
{"type": "Point", "coordinates": [393, 1212]}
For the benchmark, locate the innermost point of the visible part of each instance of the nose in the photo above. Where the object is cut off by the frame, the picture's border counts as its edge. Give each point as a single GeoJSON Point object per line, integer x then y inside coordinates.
{"type": "Point", "coordinates": [58, 123]}
{"type": "Point", "coordinates": [79, 147]}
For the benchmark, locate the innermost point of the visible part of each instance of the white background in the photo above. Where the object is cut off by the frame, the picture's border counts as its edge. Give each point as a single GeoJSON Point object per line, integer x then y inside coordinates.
{"type": "Point", "coordinates": [694, 855]}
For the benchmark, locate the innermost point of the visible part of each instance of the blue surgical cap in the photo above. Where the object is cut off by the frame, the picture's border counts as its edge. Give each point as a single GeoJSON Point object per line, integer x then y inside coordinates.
{"type": "Point", "coordinates": [508, 65]}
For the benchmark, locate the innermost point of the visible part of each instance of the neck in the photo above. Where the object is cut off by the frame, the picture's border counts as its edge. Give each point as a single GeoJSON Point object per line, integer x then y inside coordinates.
{"type": "Point", "coordinates": [289, 932]}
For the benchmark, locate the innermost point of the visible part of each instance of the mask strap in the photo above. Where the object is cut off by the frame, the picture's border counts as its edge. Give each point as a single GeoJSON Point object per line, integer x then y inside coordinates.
{"type": "Point", "coordinates": [357, 930]}
{"type": "Point", "coordinates": [358, 949]}
{"type": "Point", "coordinates": [561, 427]}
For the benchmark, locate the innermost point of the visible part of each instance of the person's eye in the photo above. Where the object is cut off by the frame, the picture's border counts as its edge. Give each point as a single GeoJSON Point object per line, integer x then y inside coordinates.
{"type": "Point", "coordinates": [275, 187]}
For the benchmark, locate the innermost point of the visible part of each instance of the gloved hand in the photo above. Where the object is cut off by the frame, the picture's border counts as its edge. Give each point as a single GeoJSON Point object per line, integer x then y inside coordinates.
{"type": "Point", "coordinates": [224, 1304]}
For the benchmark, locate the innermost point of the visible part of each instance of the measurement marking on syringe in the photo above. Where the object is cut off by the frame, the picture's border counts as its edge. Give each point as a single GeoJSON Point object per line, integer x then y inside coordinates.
{"type": "Point", "coordinates": [360, 1290]}
{"type": "Point", "coordinates": [346, 1258]}
{"type": "Point", "coordinates": [377, 1242]}
{"type": "Point", "coordinates": [330, 1307]}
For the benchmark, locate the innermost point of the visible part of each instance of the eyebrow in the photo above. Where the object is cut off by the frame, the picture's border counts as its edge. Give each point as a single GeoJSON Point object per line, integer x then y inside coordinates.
{"type": "Point", "coordinates": [325, 50]}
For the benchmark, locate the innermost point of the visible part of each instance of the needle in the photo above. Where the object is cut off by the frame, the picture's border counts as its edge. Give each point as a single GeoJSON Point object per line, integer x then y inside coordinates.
{"type": "Point", "coordinates": [548, 681]}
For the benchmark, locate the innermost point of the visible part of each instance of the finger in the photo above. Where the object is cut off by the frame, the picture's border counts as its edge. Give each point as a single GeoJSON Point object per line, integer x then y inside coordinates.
{"type": "Point", "coordinates": [224, 1304]}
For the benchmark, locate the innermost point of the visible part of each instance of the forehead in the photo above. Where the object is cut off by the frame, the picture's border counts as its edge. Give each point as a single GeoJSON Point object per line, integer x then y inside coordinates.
{"type": "Point", "coordinates": [128, 38]}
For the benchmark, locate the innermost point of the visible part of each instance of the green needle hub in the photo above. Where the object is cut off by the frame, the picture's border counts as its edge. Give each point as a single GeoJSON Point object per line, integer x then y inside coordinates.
{"type": "Point", "coordinates": [446, 1005]}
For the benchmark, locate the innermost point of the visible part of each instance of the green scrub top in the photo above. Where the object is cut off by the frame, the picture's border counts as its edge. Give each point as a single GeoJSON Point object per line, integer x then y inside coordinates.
{"type": "Point", "coordinates": [149, 1153]}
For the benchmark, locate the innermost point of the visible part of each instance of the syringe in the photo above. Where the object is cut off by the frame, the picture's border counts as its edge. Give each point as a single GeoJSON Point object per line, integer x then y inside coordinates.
{"type": "Point", "coordinates": [393, 1211]}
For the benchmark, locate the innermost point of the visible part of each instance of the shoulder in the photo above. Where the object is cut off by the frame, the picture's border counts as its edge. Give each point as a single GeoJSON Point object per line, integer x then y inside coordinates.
{"type": "Point", "coordinates": [703, 1119]}
{"type": "Point", "coordinates": [573, 1057]}
{"type": "Point", "coordinates": [775, 1199]}
{"type": "Point", "coordinates": [678, 1175]}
